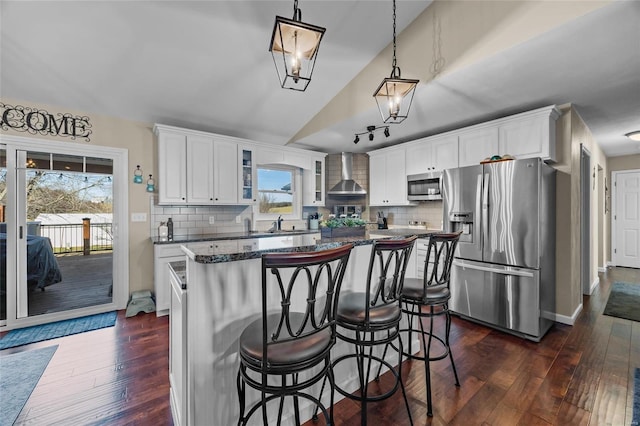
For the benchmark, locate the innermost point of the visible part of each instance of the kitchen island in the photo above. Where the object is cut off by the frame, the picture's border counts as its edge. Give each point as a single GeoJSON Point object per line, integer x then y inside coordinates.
{"type": "Point", "coordinates": [223, 284]}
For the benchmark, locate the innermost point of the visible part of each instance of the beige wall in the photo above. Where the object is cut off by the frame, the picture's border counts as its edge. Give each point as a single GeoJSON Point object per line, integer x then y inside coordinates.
{"type": "Point", "coordinates": [571, 132]}
{"type": "Point", "coordinates": [138, 139]}
{"type": "Point", "coordinates": [615, 164]}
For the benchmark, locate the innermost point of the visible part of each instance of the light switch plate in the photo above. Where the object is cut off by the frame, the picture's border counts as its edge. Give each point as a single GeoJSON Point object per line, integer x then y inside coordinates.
{"type": "Point", "coordinates": [238, 219]}
{"type": "Point", "coordinates": [211, 220]}
{"type": "Point", "coordinates": [138, 217]}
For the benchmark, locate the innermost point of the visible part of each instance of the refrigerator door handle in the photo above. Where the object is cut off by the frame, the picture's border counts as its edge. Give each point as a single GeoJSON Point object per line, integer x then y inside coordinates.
{"type": "Point", "coordinates": [517, 272]}
{"type": "Point", "coordinates": [485, 212]}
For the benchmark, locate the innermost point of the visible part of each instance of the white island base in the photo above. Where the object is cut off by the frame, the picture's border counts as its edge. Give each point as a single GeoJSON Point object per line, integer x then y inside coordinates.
{"type": "Point", "coordinates": [224, 298]}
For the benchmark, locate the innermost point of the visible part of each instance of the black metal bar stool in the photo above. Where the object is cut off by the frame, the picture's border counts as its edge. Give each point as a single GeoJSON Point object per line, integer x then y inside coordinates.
{"type": "Point", "coordinates": [431, 292]}
{"type": "Point", "coordinates": [288, 349]}
{"type": "Point", "coordinates": [372, 317]}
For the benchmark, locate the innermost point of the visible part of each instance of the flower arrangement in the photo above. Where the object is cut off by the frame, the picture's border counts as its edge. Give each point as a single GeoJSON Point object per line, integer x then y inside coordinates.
{"type": "Point", "coordinates": [340, 223]}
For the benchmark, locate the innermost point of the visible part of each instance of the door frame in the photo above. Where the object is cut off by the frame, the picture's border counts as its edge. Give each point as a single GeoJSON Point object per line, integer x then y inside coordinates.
{"type": "Point", "coordinates": [614, 210]}
{"type": "Point", "coordinates": [120, 275]}
{"type": "Point", "coordinates": [585, 219]}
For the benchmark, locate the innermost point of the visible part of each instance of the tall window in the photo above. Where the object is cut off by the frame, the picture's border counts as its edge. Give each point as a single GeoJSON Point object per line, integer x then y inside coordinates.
{"type": "Point", "coordinates": [277, 192]}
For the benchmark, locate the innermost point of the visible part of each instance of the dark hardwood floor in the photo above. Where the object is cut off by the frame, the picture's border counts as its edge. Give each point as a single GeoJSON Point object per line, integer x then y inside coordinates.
{"type": "Point", "coordinates": [577, 375]}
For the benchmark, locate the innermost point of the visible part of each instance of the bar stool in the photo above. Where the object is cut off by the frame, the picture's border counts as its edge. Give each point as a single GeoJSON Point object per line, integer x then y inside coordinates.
{"type": "Point", "coordinates": [288, 349]}
{"type": "Point", "coordinates": [432, 292]}
{"type": "Point", "coordinates": [372, 318]}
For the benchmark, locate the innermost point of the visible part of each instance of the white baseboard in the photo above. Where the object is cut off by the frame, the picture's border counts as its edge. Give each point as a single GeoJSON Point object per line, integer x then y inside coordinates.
{"type": "Point", "coordinates": [563, 319]}
{"type": "Point", "coordinates": [602, 269]}
{"type": "Point", "coordinates": [610, 264]}
{"type": "Point", "coordinates": [595, 284]}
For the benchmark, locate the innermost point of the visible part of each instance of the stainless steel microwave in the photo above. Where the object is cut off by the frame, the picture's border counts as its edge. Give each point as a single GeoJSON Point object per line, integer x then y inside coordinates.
{"type": "Point", "coordinates": [424, 186]}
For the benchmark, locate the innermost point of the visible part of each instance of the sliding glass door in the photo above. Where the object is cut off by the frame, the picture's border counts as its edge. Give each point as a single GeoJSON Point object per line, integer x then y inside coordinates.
{"type": "Point", "coordinates": [59, 234]}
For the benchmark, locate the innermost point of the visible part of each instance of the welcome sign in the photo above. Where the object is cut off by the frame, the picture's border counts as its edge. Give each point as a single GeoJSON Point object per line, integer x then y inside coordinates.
{"type": "Point", "coordinates": [38, 121]}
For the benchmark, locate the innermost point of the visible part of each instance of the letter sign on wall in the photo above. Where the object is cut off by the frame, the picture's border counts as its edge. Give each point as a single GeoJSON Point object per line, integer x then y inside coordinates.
{"type": "Point", "coordinates": [38, 121]}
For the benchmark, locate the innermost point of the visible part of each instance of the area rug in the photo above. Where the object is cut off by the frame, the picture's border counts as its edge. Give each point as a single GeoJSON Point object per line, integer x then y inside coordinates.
{"type": "Point", "coordinates": [19, 375]}
{"type": "Point", "coordinates": [624, 301]}
{"type": "Point", "coordinates": [38, 333]}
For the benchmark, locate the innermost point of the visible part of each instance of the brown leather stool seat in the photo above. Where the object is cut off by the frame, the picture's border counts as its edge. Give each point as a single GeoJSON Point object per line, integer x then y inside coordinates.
{"type": "Point", "coordinates": [288, 354]}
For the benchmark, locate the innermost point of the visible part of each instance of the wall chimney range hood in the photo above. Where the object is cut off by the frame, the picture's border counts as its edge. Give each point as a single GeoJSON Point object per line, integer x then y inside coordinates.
{"type": "Point", "coordinates": [347, 186]}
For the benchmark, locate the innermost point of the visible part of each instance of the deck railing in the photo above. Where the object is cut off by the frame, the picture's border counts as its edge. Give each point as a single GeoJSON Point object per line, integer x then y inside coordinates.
{"type": "Point", "coordinates": [69, 238]}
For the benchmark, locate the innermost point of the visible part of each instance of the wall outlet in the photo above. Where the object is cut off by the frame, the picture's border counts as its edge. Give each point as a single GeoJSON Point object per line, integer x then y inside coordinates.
{"type": "Point", "coordinates": [211, 220]}
{"type": "Point", "coordinates": [138, 217]}
{"type": "Point", "coordinates": [238, 219]}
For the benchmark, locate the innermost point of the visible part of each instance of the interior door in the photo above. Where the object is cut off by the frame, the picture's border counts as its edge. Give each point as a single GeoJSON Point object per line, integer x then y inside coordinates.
{"type": "Point", "coordinates": [626, 219]}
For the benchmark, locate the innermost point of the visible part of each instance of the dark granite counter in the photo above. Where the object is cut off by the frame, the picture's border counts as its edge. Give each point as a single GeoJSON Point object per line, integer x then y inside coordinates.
{"type": "Point", "coordinates": [181, 239]}
{"type": "Point", "coordinates": [229, 250]}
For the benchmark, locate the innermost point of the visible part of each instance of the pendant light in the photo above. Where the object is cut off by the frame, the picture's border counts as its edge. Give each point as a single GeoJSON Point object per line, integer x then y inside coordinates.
{"type": "Point", "coordinates": [294, 47]}
{"type": "Point", "coordinates": [395, 94]}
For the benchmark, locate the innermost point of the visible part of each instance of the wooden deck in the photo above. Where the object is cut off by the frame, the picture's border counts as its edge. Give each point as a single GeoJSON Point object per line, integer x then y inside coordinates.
{"type": "Point", "coordinates": [86, 281]}
{"type": "Point", "coordinates": [580, 375]}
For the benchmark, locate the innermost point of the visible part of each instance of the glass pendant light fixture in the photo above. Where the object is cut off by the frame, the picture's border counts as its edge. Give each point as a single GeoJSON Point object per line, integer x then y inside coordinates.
{"type": "Point", "coordinates": [395, 94]}
{"type": "Point", "coordinates": [294, 47]}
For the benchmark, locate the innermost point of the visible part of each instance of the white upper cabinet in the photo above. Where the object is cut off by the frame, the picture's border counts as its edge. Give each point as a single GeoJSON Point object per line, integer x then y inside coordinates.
{"type": "Point", "coordinates": [313, 185]}
{"type": "Point", "coordinates": [531, 134]}
{"type": "Point", "coordinates": [200, 157]}
{"type": "Point", "coordinates": [225, 169]}
{"type": "Point", "coordinates": [476, 144]}
{"type": "Point", "coordinates": [202, 168]}
{"type": "Point", "coordinates": [388, 177]}
{"type": "Point", "coordinates": [172, 168]}
{"type": "Point", "coordinates": [432, 154]}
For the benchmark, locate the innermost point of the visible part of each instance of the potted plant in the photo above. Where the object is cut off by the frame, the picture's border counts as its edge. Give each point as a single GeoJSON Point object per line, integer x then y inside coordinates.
{"type": "Point", "coordinates": [347, 227]}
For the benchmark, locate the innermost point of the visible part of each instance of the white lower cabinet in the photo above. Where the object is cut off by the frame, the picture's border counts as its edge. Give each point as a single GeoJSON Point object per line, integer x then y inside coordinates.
{"type": "Point", "coordinates": [162, 255]}
{"type": "Point", "coordinates": [178, 350]}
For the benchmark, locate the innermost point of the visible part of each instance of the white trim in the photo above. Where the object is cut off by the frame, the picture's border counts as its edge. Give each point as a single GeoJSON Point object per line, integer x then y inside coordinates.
{"type": "Point", "coordinates": [593, 286]}
{"type": "Point", "coordinates": [563, 319]}
{"type": "Point", "coordinates": [602, 269]}
{"type": "Point", "coordinates": [610, 264]}
{"type": "Point", "coordinates": [120, 158]}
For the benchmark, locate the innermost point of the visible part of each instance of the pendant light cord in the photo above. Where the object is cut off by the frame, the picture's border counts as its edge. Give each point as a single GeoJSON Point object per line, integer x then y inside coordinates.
{"type": "Point", "coordinates": [393, 64]}
{"type": "Point", "coordinates": [395, 71]}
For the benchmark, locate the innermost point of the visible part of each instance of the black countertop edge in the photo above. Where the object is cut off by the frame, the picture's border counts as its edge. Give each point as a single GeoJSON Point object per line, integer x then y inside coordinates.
{"type": "Point", "coordinates": [321, 244]}
{"type": "Point", "coordinates": [181, 239]}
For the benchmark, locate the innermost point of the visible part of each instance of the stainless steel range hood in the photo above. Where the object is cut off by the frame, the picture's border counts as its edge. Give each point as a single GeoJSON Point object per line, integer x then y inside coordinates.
{"type": "Point", "coordinates": [347, 186]}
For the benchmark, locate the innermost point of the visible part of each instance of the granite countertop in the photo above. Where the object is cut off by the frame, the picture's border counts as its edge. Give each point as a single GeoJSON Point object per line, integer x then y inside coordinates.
{"type": "Point", "coordinates": [229, 250]}
{"type": "Point", "coordinates": [181, 239]}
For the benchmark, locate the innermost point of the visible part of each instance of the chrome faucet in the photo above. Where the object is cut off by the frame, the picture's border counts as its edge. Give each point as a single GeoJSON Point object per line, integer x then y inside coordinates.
{"type": "Point", "coordinates": [280, 219]}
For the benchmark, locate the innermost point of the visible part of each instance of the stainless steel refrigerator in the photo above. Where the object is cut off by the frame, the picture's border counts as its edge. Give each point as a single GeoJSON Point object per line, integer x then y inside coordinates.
{"type": "Point", "coordinates": [504, 271]}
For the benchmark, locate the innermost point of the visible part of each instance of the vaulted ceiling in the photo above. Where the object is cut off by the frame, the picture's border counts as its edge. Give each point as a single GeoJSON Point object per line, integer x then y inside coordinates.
{"type": "Point", "coordinates": [205, 65]}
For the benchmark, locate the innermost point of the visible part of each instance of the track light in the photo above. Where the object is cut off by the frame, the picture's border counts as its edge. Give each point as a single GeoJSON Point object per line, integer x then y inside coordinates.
{"type": "Point", "coordinates": [370, 131]}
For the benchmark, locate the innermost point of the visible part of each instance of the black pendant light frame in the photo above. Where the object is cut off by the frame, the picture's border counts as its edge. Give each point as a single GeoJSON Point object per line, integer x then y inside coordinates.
{"type": "Point", "coordinates": [289, 77]}
{"type": "Point", "coordinates": [386, 90]}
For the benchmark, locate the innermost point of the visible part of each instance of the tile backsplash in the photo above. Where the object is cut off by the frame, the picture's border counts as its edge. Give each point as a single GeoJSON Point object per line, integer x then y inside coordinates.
{"type": "Point", "coordinates": [194, 220]}
{"type": "Point", "coordinates": [429, 211]}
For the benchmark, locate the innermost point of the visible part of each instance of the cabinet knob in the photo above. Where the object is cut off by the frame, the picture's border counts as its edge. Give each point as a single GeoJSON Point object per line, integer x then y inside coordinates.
{"type": "Point", "coordinates": [210, 199]}
{"type": "Point", "coordinates": [216, 199]}
{"type": "Point", "coordinates": [182, 198]}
